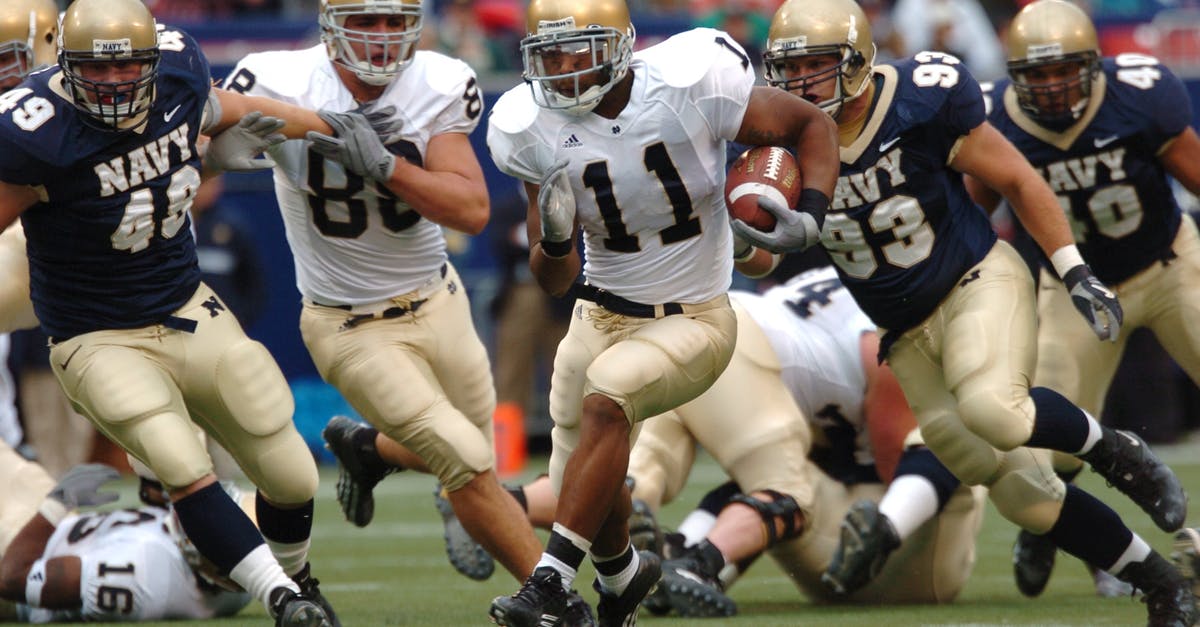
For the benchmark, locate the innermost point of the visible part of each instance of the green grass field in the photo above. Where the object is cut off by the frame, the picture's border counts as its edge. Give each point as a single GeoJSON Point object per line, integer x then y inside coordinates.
{"type": "Point", "coordinates": [394, 572]}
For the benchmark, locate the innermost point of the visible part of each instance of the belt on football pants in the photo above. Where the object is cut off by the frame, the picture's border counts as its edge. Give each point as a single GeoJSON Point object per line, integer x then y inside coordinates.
{"type": "Point", "coordinates": [623, 306]}
{"type": "Point", "coordinates": [385, 314]}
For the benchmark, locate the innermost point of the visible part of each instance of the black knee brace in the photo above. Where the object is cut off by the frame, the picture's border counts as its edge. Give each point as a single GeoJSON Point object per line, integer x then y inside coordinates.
{"type": "Point", "coordinates": [783, 509]}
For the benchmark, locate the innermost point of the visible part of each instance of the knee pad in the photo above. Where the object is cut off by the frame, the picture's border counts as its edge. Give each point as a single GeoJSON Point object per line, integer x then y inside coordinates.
{"type": "Point", "coordinates": [449, 442]}
{"type": "Point", "coordinates": [968, 456]}
{"type": "Point", "coordinates": [782, 510]}
{"type": "Point", "coordinates": [1027, 492]}
{"type": "Point", "coordinates": [1002, 422]}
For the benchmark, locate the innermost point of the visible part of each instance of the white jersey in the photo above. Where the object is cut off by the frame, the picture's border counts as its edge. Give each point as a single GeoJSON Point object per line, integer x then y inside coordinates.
{"type": "Point", "coordinates": [132, 570]}
{"type": "Point", "coordinates": [814, 326]}
{"type": "Point", "coordinates": [649, 185]}
{"type": "Point", "coordinates": [353, 241]}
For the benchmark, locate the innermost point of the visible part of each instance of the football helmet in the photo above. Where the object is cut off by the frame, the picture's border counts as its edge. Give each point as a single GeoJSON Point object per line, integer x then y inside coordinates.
{"type": "Point", "coordinates": [576, 51]}
{"type": "Point", "coordinates": [384, 53]}
{"type": "Point", "coordinates": [1049, 32]}
{"type": "Point", "coordinates": [112, 32]}
{"type": "Point", "coordinates": [804, 28]}
{"type": "Point", "coordinates": [28, 33]}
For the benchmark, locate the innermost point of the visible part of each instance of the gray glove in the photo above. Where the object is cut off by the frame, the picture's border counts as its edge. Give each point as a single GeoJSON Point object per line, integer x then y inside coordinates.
{"type": "Point", "coordinates": [556, 205]}
{"type": "Point", "coordinates": [236, 147]}
{"type": "Point", "coordinates": [357, 145]}
{"type": "Point", "coordinates": [81, 486]}
{"type": "Point", "coordinates": [1096, 303]}
{"type": "Point", "coordinates": [794, 230]}
{"type": "Point", "coordinates": [383, 120]}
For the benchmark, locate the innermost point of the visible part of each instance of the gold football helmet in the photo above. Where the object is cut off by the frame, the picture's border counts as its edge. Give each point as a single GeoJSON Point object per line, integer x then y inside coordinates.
{"type": "Point", "coordinates": [575, 51]}
{"type": "Point", "coordinates": [1050, 32]}
{"type": "Point", "coordinates": [383, 53]}
{"type": "Point", "coordinates": [804, 28]}
{"type": "Point", "coordinates": [28, 30]}
{"type": "Point", "coordinates": [110, 32]}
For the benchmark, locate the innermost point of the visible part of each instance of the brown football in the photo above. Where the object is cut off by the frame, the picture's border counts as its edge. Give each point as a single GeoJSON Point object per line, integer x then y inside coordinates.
{"type": "Point", "coordinates": [761, 171]}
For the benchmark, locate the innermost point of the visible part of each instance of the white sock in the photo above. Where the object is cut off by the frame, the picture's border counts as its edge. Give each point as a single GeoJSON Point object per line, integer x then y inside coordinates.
{"type": "Point", "coordinates": [566, 572]}
{"type": "Point", "coordinates": [259, 574]}
{"type": "Point", "coordinates": [291, 556]}
{"type": "Point", "coordinates": [910, 500]}
{"type": "Point", "coordinates": [696, 526]}
{"type": "Point", "coordinates": [1137, 551]}
{"type": "Point", "coordinates": [1093, 435]}
{"type": "Point", "coordinates": [616, 584]}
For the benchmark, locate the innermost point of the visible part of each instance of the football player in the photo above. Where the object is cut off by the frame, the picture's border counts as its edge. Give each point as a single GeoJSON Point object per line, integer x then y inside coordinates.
{"type": "Point", "coordinates": [116, 566]}
{"type": "Point", "coordinates": [28, 33]}
{"type": "Point", "coordinates": [99, 158]}
{"type": "Point", "coordinates": [1106, 134]}
{"type": "Point", "coordinates": [955, 305]}
{"type": "Point", "coordinates": [386, 317]}
{"type": "Point", "coordinates": [630, 148]}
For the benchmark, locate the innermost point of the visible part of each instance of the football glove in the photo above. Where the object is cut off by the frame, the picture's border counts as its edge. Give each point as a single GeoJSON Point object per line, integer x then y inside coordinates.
{"type": "Point", "coordinates": [1095, 302]}
{"type": "Point", "coordinates": [235, 149]}
{"type": "Point", "coordinates": [794, 230]}
{"type": "Point", "coordinates": [80, 486]}
{"type": "Point", "coordinates": [357, 145]}
{"type": "Point", "coordinates": [556, 206]}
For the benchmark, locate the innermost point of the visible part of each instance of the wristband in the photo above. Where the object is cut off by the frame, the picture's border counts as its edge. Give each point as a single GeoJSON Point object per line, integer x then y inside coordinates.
{"type": "Point", "coordinates": [1064, 259]}
{"type": "Point", "coordinates": [34, 582]}
{"type": "Point", "coordinates": [556, 250]}
{"type": "Point", "coordinates": [815, 203]}
{"type": "Point", "coordinates": [53, 510]}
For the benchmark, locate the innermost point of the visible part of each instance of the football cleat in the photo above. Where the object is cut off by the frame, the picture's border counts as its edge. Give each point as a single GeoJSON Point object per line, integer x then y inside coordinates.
{"type": "Point", "coordinates": [1109, 587]}
{"type": "Point", "coordinates": [541, 602]}
{"type": "Point", "coordinates": [310, 587]}
{"type": "Point", "coordinates": [359, 469]}
{"type": "Point", "coordinates": [1128, 464]}
{"type": "Point", "coordinates": [867, 538]}
{"type": "Point", "coordinates": [621, 610]}
{"type": "Point", "coordinates": [690, 586]}
{"type": "Point", "coordinates": [1167, 593]}
{"type": "Point", "coordinates": [466, 555]}
{"type": "Point", "coordinates": [296, 610]}
{"type": "Point", "coordinates": [1187, 554]}
{"type": "Point", "coordinates": [1033, 561]}
{"type": "Point", "coordinates": [644, 532]}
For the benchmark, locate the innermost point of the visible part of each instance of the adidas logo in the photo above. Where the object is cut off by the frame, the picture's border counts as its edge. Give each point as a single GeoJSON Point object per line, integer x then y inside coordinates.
{"type": "Point", "coordinates": [572, 142]}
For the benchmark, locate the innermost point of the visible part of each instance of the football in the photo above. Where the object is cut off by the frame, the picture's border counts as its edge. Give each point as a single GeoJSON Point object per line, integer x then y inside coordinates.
{"type": "Point", "coordinates": [761, 171]}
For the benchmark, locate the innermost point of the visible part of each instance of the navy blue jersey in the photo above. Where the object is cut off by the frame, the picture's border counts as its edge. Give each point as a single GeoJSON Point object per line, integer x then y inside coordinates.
{"type": "Point", "coordinates": [1104, 168]}
{"type": "Point", "coordinates": [110, 246]}
{"type": "Point", "coordinates": [901, 228]}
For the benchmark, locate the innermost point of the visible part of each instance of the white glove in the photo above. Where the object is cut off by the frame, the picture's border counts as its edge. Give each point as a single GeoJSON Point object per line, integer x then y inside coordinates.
{"type": "Point", "coordinates": [556, 205]}
{"type": "Point", "coordinates": [236, 148]}
{"type": "Point", "coordinates": [357, 145]}
{"type": "Point", "coordinates": [794, 231]}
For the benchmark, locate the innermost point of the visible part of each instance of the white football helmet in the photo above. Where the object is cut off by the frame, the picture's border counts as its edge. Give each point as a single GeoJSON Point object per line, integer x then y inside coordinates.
{"type": "Point", "coordinates": [385, 52]}
{"type": "Point", "coordinates": [599, 30]}
{"type": "Point", "coordinates": [106, 31]}
{"type": "Point", "coordinates": [28, 33]}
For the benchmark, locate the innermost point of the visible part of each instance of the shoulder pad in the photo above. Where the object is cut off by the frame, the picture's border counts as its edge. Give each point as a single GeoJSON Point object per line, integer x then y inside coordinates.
{"type": "Point", "coordinates": [443, 74]}
{"type": "Point", "coordinates": [515, 111]}
{"type": "Point", "coordinates": [683, 59]}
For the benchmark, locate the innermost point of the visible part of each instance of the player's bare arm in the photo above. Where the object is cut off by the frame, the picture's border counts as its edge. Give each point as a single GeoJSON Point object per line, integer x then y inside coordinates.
{"type": "Point", "coordinates": [1181, 158]}
{"type": "Point", "coordinates": [554, 274]}
{"type": "Point", "coordinates": [450, 189]}
{"type": "Point", "coordinates": [298, 120]}
{"type": "Point", "coordinates": [14, 199]}
{"type": "Point", "coordinates": [983, 195]}
{"type": "Point", "coordinates": [23, 551]}
{"type": "Point", "coordinates": [778, 118]}
{"type": "Point", "coordinates": [986, 155]}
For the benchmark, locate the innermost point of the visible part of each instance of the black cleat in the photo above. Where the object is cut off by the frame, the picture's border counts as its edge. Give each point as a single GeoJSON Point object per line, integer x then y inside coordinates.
{"type": "Point", "coordinates": [1168, 593]}
{"type": "Point", "coordinates": [359, 468]}
{"type": "Point", "coordinates": [310, 587]}
{"type": "Point", "coordinates": [1128, 464]}
{"type": "Point", "coordinates": [690, 587]}
{"type": "Point", "coordinates": [541, 602]}
{"type": "Point", "coordinates": [867, 538]}
{"type": "Point", "coordinates": [1187, 554]}
{"type": "Point", "coordinates": [465, 554]}
{"type": "Point", "coordinates": [296, 610]}
{"type": "Point", "coordinates": [622, 610]}
{"type": "Point", "coordinates": [1033, 561]}
{"type": "Point", "coordinates": [644, 532]}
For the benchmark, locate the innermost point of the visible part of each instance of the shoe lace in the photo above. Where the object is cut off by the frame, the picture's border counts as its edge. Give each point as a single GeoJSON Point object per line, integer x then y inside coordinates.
{"type": "Point", "coordinates": [538, 590]}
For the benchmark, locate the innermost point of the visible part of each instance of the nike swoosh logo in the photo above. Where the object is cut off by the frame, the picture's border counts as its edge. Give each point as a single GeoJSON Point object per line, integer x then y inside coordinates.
{"type": "Point", "coordinates": [888, 144]}
{"type": "Point", "coordinates": [63, 365]}
{"type": "Point", "coordinates": [170, 114]}
{"type": "Point", "coordinates": [1101, 142]}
